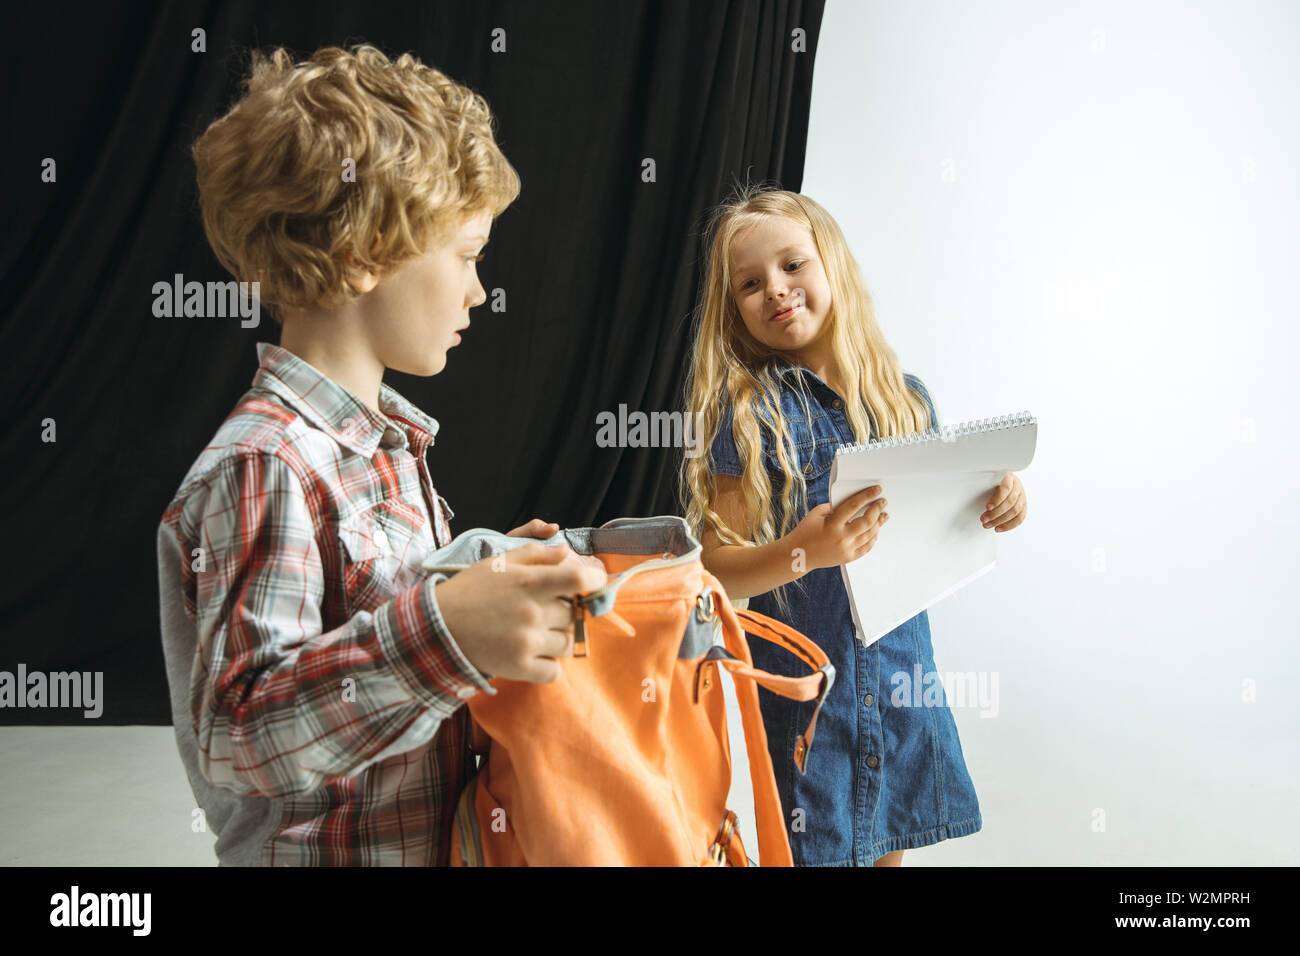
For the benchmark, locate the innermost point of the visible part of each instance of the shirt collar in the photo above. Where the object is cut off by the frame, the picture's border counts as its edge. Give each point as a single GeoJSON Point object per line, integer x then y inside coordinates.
{"type": "Point", "coordinates": [336, 411]}
{"type": "Point", "coordinates": [791, 374]}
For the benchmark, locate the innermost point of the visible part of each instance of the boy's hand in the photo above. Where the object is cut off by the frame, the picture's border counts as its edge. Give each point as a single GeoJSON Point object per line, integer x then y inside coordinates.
{"type": "Point", "coordinates": [1007, 505]}
{"type": "Point", "coordinates": [537, 528]}
{"type": "Point", "coordinates": [506, 612]}
{"type": "Point", "coordinates": [830, 538]}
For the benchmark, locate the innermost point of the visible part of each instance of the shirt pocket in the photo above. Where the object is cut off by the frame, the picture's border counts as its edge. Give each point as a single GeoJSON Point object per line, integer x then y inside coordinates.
{"type": "Point", "coordinates": [382, 546]}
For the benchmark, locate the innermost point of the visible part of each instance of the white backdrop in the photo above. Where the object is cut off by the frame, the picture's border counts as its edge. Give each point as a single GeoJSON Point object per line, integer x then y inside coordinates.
{"type": "Point", "coordinates": [1089, 210]}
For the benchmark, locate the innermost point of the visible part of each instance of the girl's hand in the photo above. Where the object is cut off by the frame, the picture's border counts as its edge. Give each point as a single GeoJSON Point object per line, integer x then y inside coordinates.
{"type": "Point", "coordinates": [830, 538]}
{"type": "Point", "coordinates": [537, 528]}
{"type": "Point", "coordinates": [1007, 505]}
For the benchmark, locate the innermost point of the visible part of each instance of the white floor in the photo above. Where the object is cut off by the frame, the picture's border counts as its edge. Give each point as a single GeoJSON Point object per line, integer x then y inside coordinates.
{"type": "Point", "coordinates": [96, 796]}
{"type": "Point", "coordinates": [118, 796]}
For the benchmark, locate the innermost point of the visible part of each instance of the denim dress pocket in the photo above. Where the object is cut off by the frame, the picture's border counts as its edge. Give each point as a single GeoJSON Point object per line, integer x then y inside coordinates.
{"type": "Point", "coordinates": [382, 547]}
{"type": "Point", "coordinates": [817, 461]}
{"type": "Point", "coordinates": [814, 453]}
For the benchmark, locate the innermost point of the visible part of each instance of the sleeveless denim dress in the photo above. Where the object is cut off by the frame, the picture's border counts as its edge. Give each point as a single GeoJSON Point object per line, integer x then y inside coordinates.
{"type": "Point", "coordinates": [885, 773]}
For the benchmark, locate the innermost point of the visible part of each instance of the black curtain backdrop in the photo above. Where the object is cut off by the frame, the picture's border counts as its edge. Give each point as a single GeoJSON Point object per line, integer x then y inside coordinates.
{"type": "Point", "coordinates": [600, 271]}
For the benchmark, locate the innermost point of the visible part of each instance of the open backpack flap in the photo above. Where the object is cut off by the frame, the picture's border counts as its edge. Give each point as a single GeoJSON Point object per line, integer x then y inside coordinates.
{"type": "Point", "coordinates": [625, 759]}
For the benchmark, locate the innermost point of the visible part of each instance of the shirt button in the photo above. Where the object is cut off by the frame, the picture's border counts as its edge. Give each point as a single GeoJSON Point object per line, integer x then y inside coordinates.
{"type": "Point", "coordinates": [466, 692]}
{"type": "Point", "coordinates": [837, 405]}
{"type": "Point", "coordinates": [873, 761]}
{"type": "Point", "coordinates": [807, 469]}
{"type": "Point", "coordinates": [869, 700]}
{"type": "Point", "coordinates": [381, 539]}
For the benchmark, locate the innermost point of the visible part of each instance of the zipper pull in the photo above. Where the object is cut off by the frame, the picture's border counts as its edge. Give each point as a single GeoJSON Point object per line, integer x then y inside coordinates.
{"type": "Point", "coordinates": [579, 627]}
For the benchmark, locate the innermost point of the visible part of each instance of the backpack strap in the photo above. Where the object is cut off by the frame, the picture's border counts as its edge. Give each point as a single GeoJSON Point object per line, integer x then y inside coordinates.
{"type": "Point", "coordinates": [809, 687]}
{"type": "Point", "coordinates": [467, 843]}
{"type": "Point", "coordinates": [813, 686]}
{"type": "Point", "coordinates": [773, 839]}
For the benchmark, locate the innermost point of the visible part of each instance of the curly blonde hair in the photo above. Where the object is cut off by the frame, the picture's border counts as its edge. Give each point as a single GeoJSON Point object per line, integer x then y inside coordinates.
{"type": "Point", "coordinates": [277, 206]}
{"type": "Point", "coordinates": [731, 369]}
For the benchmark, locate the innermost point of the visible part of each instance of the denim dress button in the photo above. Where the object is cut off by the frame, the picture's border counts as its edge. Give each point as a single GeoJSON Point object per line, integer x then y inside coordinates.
{"type": "Point", "coordinates": [837, 405]}
{"type": "Point", "coordinates": [869, 699]}
{"type": "Point", "coordinates": [873, 761]}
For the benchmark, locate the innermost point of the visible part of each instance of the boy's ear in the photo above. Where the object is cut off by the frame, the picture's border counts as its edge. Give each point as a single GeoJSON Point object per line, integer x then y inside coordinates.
{"type": "Point", "coordinates": [362, 280]}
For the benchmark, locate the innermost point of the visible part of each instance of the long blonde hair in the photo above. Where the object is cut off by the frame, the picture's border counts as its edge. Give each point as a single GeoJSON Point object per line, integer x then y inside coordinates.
{"type": "Point", "coordinates": [731, 369]}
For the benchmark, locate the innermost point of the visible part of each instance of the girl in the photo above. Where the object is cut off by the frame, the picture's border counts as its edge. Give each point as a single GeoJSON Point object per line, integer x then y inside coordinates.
{"type": "Point", "coordinates": [788, 365]}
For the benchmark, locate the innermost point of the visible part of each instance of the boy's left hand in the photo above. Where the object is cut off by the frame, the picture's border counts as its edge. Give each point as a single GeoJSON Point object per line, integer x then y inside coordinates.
{"type": "Point", "coordinates": [1007, 505]}
{"type": "Point", "coordinates": [537, 528]}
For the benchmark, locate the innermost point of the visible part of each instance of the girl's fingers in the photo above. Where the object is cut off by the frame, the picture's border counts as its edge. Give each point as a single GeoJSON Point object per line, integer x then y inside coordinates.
{"type": "Point", "coordinates": [865, 547]}
{"type": "Point", "coordinates": [850, 505]}
{"type": "Point", "coordinates": [999, 493]}
{"type": "Point", "coordinates": [1005, 489]}
{"type": "Point", "coordinates": [994, 516]}
{"type": "Point", "coordinates": [999, 514]}
{"type": "Point", "coordinates": [863, 542]}
{"type": "Point", "coordinates": [1016, 521]}
{"type": "Point", "coordinates": [868, 518]}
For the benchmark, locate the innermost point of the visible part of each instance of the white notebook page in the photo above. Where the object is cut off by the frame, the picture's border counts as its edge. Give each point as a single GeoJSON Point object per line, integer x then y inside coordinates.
{"type": "Point", "coordinates": [937, 485]}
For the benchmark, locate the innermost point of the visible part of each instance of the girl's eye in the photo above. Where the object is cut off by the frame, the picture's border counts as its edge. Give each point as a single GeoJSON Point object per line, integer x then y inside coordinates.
{"type": "Point", "coordinates": [793, 265]}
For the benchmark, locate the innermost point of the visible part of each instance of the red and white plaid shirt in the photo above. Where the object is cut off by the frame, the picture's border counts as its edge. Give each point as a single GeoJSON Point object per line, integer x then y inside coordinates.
{"type": "Point", "coordinates": [316, 691]}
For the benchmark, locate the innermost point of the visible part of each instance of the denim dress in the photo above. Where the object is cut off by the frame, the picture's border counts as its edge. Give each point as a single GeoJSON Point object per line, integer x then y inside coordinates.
{"type": "Point", "coordinates": [885, 772]}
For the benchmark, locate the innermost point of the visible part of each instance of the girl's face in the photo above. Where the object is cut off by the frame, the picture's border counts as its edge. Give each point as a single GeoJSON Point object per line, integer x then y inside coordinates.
{"type": "Point", "coordinates": [779, 286]}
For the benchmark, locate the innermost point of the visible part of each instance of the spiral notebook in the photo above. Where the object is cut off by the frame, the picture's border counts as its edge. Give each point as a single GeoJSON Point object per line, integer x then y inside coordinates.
{"type": "Point", "coordinates": [937, 484]}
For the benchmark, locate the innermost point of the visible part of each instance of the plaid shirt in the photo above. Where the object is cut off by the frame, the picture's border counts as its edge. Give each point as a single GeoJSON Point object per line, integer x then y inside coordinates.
{"type": "Point", "coordinates": [316, 691]}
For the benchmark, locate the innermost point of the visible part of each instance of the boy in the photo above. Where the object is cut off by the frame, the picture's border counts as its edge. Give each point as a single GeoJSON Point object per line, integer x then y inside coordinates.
{"type": "Point", "coordinates": [317, 675]}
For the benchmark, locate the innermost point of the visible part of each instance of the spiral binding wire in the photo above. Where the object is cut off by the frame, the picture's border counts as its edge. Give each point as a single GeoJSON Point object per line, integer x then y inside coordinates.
{"type": "Point", "coordinates": [943, 433]}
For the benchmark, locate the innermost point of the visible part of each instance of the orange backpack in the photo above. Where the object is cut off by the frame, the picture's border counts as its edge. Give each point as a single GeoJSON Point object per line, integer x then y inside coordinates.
{"type": "Point", "coordinates": [624, 760]}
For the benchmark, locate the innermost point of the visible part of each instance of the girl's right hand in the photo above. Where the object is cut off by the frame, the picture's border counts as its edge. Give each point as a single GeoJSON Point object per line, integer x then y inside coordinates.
{"type": "Point", "coordinates": [831, 537]}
